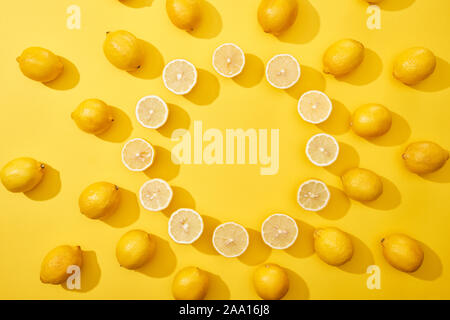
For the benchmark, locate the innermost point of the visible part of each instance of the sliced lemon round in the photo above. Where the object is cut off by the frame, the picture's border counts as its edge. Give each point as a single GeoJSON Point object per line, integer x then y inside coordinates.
{"type": "Point", "coordinates": [283, 71]}
{"type": "Point", "coordinates": [230, 239]}
{"type": "Point", "coordinates": [314, 106]}
{"type": "Point", "coordinates": [322, 149]}
{"type": "Point", "coordinates": [279, 231]}
{"type": "Point", "coordinates": [185, 226]}
{"type": "Point", "coordinates": [228, 60]}
{"type": "Point", "coordinates": [180, 76]}
{"type": "Point", "coordinates": [313, 195]}
{"type": "Point", "coordinates": [152, 112]}
{"type": "Point", "coordinates": [155, 195]}
{"type": "Point", "coordinates": [137, 154]}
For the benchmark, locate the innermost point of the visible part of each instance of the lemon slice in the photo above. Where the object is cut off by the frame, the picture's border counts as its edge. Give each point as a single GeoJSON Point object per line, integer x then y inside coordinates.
{"type": "Point", "coordinates": [137, 154]}
{"type": "Point", "coordinates": [279, 231]}
{"type": "Point", "coordinates": [180, 76]}
{"type": "Point", "coordinates": [314, 106]}
{"type": "Point", "coordinates": [228, 60]}
{"type": "Point", "coordinates": [185, 226]}
{"type": "Point", "coordinates": [313, 195]}
{"type": "Point", "coordinates": [152, 112]}
{"type": "Point", "coordinates": [230, 239]}
{"type": "Point", "coordinates": [155, 195]}
{"type": "Point", "coordinates": [322, 149]}
{"type": "Point", "coordinates": [283, 71]}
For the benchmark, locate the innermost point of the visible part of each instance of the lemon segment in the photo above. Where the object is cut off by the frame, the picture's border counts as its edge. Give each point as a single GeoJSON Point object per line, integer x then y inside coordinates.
{"type": "Point", "coordinates": [283, 71]}
{"type": "Point", "coordinates": [137, 154]}
{"type": "Point", "coordinates": [402, 252]}
{"type": "Point", "coordinates": [322, 149]}
{"type": "Point", "coordinates": [180, 76]}
{"type": "Point", "coordinates": [270, 281]}
{"type": "Point", "coordinates": [333, 246]}
{"type": "Point", "coordinates": [190, 283]}
{"type": "Point", "coordinates": [135, 248]}
{"type": "Point", "coordinates": [22, 174]}
{"type": "Point", "coordinates": [152, 112]}
{"type": "Point", "coordinates": [314, 106]}
{"type": "Point", "coordinates": [313, 195]}
{"type": "Point", "coordinates": [279, 231]}
{"type": "Point", "coordinates": [228, 60]}
{"type": "Point", "coordinates": [55, 264]}
{"type": "Point", "coordinates": [155, 195]}
{"type": "Point", "coordinates": [185, 226]}
{"type": "Point", "coordinates": [40, 64]}
{"type": "Point", "coordinates": [230, 239]}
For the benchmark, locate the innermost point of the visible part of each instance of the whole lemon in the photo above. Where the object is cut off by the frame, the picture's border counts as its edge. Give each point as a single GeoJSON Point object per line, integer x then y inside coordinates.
{"type": "Point", "coordinates": [275, 16]}
{"type": "Point", "coordinates": [40, 64]}
{"type": "Point", "coordinates": [402, 252]}
{"type": "Point", "coordinates": [371, 120]}
{"type": "Point", "coordinates": [374, 1]}
{"type": "Point", "coordinates": [184, 14]}
{"type": "Point", "coordinates": [55, 264]}
{"type": "Point", "coordinates": [271, 281]}
{"type": "Point", "coordinates": [93, 116]}
{"type": "Point", "coordinates": [123, 50]}
{"type": "Point", "coordinates": [333, 246]}
{"type": "Point", "coordinates": [22, 174]}
{"type": "Point", "coordinates": [414, 65]}
{"type": "Point", "coordinates": [135, 248]}
{"type": "Point", "coordinates": [362, 184]}
{"type": "Point", "coordinates": [190, 283]}
{"type": "Point", "coordinates": [343, 57]}
{"type": "Point", "coordinates": [99, 199]}
{"type": "Point", "coordinates": [424, 157]}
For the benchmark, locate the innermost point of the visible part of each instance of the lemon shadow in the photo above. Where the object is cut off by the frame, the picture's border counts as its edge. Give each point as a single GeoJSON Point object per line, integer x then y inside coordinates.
{"type": "Point", "coordinates": [69, 78]}
{"type": "Point", "coordinates": [48, 188]}
{"type": "Point", "coordinates": [178, 119]}
{"type": "Point", "coordinates": [204, 243]}
{"type": "Point", "coordinates": [368, 71]}
{"type": "Point", "coordinates": [441, 176]}
{"type": "Point", "coordinates": [438, 80]}
{"type": "Point", "coordinates": [206, 90]}
{"type": "Point", "coordinates": [339, 120]}
{"type": "Point", "coordinates": [137, 3]}
{"type": "Point", "coordinates": [304, 245]}
{"type": "Point", "coordinates": [163, 167]}
{"type": "Point", "coordinates": [347, 159]}
{"type": "Point", "coordinates": [338, 205]}
{"type": "Point", "coordinates": [399, 133]}
{"type": "Point", "coordinates": [257, 251]}
{"type": "Point", "coordinates": [390, 199]}
{"type": "Point", "coordinates": [153, 64]}
{"type": "Point", "coordinates": [127, 213]}
{"type": "Point", "coordinates": [163, 263]}
{"type": "Point", "coordinates": [431, 267]}
{"type": "Point", "coordinates": [298, 289]}
{"type": "Point", "coordinates": [361, 259]}
{"type": "Point", "coordinates": [394, 5]}
{"type": "Point", "coordinates": [181, 199]}
{"type": "Point", "coordinates": [210, 23]}
{"type": "Point", "coordinates": [90, 273]}
{"type": "Point", "coordinates": [121, 128]}
{"type": "Point", "coordinates": [218, 289]}
{"type": "Point", "coordinates": [252, 73]}
{"type": "Point", "coordinates": [310, 79]}
{"type": "Point", "coordinates": [305, 27]}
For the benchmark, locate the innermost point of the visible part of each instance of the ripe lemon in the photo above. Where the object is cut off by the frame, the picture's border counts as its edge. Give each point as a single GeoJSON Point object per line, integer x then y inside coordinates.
{"type": "Point", "coordinates": [230, 239]}
{"type": "Point", "coordinates": [371, 120]}
{"type": "Point", "coordinates": [313, 195]}
{"type": "Point", "coordinates": [228, 60]}
{"type": "Point", "coordinates": [424, 157]}
{"type": "Point", "coordinates": [22, 174]}
{"type": "Point", "coordinates": [333, 246]}
{"type": "Point", "coordinates": [40, 64]}
{"type": "Point", "coordinates": [279, 231]}
{"type": "Point", "coordinates": [93, 116]}
{"type": "Point", "coordinates": [137, 154]}
{"type": "Point", "coordinates": [402, 252]}
{"type": "Point", "coordinates": [99, 199]}
{"type": "Point", "coordinates": [135, 248]}
{"type": "Point", "coordinates": [283, 71]}
{"type": "Point", "coordinates": [322, 149]}
{"type": "Point", "coordinates": [184, 14]}
{"type": "Point", "coordinates": [271, 281]}
{"type": "Point", "coordinates": [180, 76]}
{"type": "Point", "coordinates": [314, 106]}
{"type": "Point", "coordinates": [155, 195]}
{"type": "Point", "coordinates": [414, 65]}
{"type": "Point", "coordinates": [275, 16]}
{"type": "Point", "coordinates": [190, 283]}
{"type": "Point", "coordinates": [374, 1]}
{"type": "Point", "coordinates": [123, 50]}
{"type": "Point", "coordinates": [343, 57]}
{"type": "Point", "coordinates": [152, 112]}
{"type": "Point", "coordinates": [362, 184]}
{"type": "Point", "coordinates": [185, 226]}
{"type": "Point", "coordinates": [55, 263]}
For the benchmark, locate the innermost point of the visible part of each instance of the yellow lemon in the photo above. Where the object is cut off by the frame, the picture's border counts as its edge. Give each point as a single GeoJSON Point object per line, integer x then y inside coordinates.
{"type": "Point", "coordinates": [93, 116]}
{"type": "Point", "coordinates": [57, 261]}
{"type": "Point", "coordinates": [374, 1]}
{"type": "Point", "coordinates": [343, 57]}
{"type": "Point", "coordinates": [271, 281]}
{"type": "Point", "coordinates": [99, 199]}
{"type": "Point", "coordinates": [402, 252]}
{"type": "Point", "coordinates": [414, 65]}
{"type": "Point", "coordinates": [40, 64]}
{"type": "Point", "coordinates": [362, 184]}
{"type": "Point", "coordinates": [275, 16]}
{"type": "Point", "coordinates": [135, 248]}
{"type": "Point", "coordinates": [123, 50]}
{"type": "Point", "coordinates": [424, 157]}
{"type": "Point", "coordinates": [371, 120]}
{"type": "Point", "coordinates": [333, 246]}
{"type": "Point", "coordinates": [190, 283]}
{"type": "Point", "coordinates": [184, 14]}
{"type": "Point", "coordinates": [22, 174]}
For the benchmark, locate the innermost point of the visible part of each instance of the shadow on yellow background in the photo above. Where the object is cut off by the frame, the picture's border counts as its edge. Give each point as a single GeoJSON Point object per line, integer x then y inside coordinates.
{"type": "Point", "coordinates": [127, 212]}
{"type": "Point", "coordinates": [310, 79]}
{"type": "Point", "coordinates": [390, 199]}
{"type": "Point", "coordinates": [348, 158]}
{"type": "Point", "coordinates": [257, 251]}
{"type": "Point", "coordinates": [439, 79]}
{"type": "Point", "coordinates": [163, 167]}
{"type": "Point", "coordinates": [361, 259]}
{"type": "Point", "coordinates": [204, 243]}
{"type": "Point", "coordinates": [218, 289]}
{"type": "Point", "coordinates": [368, 71]}
{"type": "Point", "coordinates": [90, 272]}
{"type": "Point", "coordinates": [394, 5]}
{"type": "Point", "coordinates": [178, 119]}
{"type": "Point", "coordinates": [304, 246]}
{"type": "Point", "coordinates": [252, 73]}
{"type": "Point", "coordinates": [338, 205]}
{"type": "Point", "coordinates": [120, 130]}
{"type": "Point", "coordinates": [339, 120]}
{"type": "Point", "coordinates": [153, 64]}
{"type": "Point", "coordinates": [210, 24]}
{"type": "Point", "coordinates": [298, 289]}
{"type": "Point", "coordinates": [68, 79]}
{"type": "Point", "coordinates": [441, 176]}
{"type": "Point", "coordinates": [206, 90]}
{"type": "Point", "coordinates": [48, 188]}
{"type": "Point", "coordinates": [163, 262]}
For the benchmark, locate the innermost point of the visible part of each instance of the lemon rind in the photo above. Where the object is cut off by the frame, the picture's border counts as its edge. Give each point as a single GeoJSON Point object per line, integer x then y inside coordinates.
{"type": "Point", "coordinates": [288, 245]}
{"type": "Point", "coordinates": [170, 229]}
{"type": "Point", "coordinates": [165, 107]}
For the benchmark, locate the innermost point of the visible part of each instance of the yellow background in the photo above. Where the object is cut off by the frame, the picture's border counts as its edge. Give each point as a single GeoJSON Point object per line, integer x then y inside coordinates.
{"type": "Point", "coordinates": [35, 121]}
